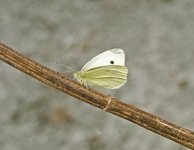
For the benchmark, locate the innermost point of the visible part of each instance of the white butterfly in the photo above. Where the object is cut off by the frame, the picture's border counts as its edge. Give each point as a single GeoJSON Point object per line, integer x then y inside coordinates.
{"type": "Point", "coordinates": [106, 69]}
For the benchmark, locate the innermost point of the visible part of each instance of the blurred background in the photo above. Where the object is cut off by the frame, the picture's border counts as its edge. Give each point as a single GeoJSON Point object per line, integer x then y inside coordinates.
{"type": "Point", "coordinates": [157, 36]}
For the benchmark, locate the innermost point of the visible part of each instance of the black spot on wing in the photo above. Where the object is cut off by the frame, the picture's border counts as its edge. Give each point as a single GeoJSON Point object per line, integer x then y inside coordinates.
{"type": "Point", "coordinates": [112, 62]}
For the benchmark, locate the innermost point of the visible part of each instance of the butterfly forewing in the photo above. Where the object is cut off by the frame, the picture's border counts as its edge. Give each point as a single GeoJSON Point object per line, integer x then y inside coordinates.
{"type": "Point", "coordinates": [117, 56]}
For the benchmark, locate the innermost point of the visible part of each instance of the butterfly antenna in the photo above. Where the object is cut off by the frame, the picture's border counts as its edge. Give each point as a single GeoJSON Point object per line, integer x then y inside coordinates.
{"type": "Point", "coordinates": [67, 67]}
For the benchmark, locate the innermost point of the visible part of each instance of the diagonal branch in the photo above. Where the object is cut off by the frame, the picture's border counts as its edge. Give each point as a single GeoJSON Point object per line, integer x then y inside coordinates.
{"type": "Point", "coordinates": [59, 81]}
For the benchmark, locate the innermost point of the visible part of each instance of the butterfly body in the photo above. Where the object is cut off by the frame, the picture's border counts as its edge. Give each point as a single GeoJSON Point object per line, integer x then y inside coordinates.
{"type": "Point", "coordinates": [106, 69]}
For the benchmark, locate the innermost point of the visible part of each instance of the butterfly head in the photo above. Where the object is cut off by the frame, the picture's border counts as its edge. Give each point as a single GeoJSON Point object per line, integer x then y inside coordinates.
{"type": "Point", "coordinates": [77, 76]}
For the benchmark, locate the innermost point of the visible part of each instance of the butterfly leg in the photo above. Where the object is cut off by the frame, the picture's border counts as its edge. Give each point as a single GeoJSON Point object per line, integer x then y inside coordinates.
{"type": "Point", "coordinates": [108, 103]}
{"type": "Point", "coordinates": [84, 84]}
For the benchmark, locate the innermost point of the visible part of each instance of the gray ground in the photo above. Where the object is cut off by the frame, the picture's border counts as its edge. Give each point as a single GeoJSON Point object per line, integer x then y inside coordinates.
{"type": "Point", "coordinates": [158, 38]}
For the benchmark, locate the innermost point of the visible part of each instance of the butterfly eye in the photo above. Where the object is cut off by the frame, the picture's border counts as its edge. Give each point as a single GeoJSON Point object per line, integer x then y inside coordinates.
{"type": "Point", "coordinates": [111, 62]}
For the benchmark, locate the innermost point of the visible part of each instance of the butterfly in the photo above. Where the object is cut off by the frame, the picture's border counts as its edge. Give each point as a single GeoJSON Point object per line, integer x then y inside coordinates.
{"type": "Point", "coordinates": [107, 70]}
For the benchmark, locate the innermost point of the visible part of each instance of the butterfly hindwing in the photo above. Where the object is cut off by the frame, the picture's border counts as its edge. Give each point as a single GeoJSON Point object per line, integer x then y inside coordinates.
{"type": "Point", "coordinates": [111, 77]}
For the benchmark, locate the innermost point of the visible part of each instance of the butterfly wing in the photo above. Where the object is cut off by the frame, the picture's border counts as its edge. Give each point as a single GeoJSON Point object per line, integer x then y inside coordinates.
{"type": "Point", "coordinates": [110, 77]}
{"type": "Point", "coordinates": [111, 57]}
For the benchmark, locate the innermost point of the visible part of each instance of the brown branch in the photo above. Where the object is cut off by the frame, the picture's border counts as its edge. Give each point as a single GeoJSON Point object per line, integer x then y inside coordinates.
{"type": "Point", "coordinates": [59, 81]}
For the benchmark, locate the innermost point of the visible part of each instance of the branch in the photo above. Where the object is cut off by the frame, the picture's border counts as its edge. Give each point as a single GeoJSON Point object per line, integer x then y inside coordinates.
{"type": "Point", "coordinates": [112, 105]}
